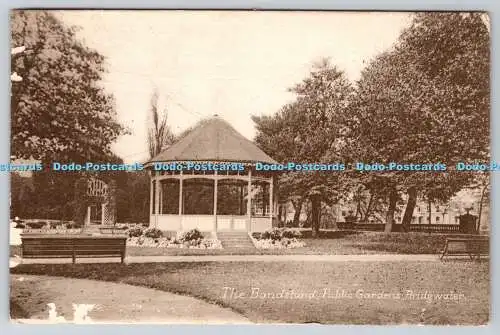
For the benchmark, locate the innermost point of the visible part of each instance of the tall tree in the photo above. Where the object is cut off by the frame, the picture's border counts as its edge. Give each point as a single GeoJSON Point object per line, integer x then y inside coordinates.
{"type": "Point", "coordinates": [159, 133]}
{"type": "Point", "coordinates": [426, 101]}
{"type": "Point", "coordinates": [58, 109]}
{"type": "Point", "coordinates": [305, 131]}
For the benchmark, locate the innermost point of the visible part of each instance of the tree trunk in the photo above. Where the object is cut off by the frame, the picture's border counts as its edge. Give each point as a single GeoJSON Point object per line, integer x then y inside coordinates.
{"type": "Point", "coordinates": [368, 208]}
{"type": "Point", "coordinates": [280, 216]}
{"type": "Point", "coordinates": [429, 204]}
{"type": "Point", "coordinates": [316, 214]}
{"type": "Point", "coordinates": [410, 207]}
{"type": "Point", "coordinates": [297, 206]}
{"type": "Point", "coordinates": [481, 208]}
{"type": "Point", "coordinates": [389, 220]}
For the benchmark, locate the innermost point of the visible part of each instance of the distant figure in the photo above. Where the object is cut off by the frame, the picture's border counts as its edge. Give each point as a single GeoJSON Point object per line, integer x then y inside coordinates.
{"type": "Point", "coordinates": [15, 231]}
{"type": "Point", "coordinates": [53, 317]}
{"type": "Point", "coordinates": [81, 312]}
{"type": "Point", "coordinates": [14, 261]}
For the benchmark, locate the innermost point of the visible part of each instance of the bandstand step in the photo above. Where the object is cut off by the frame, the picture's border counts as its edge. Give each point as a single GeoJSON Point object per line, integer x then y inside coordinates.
{"type": "Point", "coordinates": [235, 240]}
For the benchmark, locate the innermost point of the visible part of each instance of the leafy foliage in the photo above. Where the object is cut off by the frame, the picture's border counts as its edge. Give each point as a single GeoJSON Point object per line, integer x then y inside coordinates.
{"type": "Point", "coordinates": [425, 101]}
{"type": "Point", "coordinates": [153, 233]}
{"type": "Point", "coordinates": [190, 235]}
{"type": "Point", "coordinates": [305, 130]}
{"type": "Point", "coordinates": [135, 232]}
{"type": "Point", "coordinates": [36, 224]}
{"type": "Point", "coordinates": [59, 106]}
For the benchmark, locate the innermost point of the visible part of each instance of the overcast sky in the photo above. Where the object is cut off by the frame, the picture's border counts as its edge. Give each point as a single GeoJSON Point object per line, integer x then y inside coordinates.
{"type": "Point", "coordinates": [234, 64]}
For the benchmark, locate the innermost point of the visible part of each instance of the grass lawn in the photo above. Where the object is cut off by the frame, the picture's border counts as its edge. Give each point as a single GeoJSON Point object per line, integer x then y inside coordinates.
{"type": "Point", "coordinates": [328, 243]}
{"type": "Point", "coordinates": [304, 292]}
{"type": "Point", "coordinates": [313, 247]}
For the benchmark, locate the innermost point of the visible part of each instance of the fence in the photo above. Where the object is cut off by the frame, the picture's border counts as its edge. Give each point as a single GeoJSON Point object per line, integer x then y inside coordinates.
{"type": "Point", "coordinates": [423, 228]}
{"type": "Point", "coordinates": [437, 228]}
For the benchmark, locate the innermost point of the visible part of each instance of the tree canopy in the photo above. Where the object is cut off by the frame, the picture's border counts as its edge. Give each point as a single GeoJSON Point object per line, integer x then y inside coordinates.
{"type": "Point", "coordinates": [305, 131]}
{"type": "Point", "coordinates": [426, 100]}
{"type": "Point", "coordinates": [58, 108]}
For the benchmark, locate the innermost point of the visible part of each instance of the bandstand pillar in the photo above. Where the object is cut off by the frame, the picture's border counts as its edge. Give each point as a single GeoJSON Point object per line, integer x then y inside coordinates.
{"type": "Point", "coordinates": [87, 218]}
{"type": "Point", "coordinates": [249, 198]}
{"type": "Point", "coordinates": [157, 200]}
{"type": "Point", "coordinates": [215, 200]}
{"type": "Point", "coordinates": [181, 177]}
{"type": "Point", "coordinates": [271, 205]}
{"type": "Point", "coordinates": [151, 194]}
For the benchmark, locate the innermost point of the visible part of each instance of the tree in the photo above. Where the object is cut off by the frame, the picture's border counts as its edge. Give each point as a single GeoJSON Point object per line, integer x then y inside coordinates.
{"type": "Point", "coordinates": [482, 184]}
{"type": "Point", "coordinates": [21, 194]}
{"type": "Point", "coordinates": [425, 101]}
{"type": "Point", "coordinates": [133, 197]}
{"type": "Point", "coordinates": [159, 133]}
{"type": "Point", "coordinates": [58, 109]}
{"type": "Point", "coordinates": [305, 131]}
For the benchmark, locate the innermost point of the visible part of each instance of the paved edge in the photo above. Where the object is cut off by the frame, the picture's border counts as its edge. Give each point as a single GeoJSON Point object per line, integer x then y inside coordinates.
{"type": "Point", "coordinates": [247, 258]}
{"type": "Point", "coordinates": [224, 315]}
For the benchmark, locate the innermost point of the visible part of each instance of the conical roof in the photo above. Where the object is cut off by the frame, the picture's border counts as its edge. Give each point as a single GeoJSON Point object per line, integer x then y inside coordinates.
{"type": "Point", "coordinates": [212, 140]}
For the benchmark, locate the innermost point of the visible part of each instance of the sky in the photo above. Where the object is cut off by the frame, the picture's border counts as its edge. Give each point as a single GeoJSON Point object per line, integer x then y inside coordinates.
{"type": "Point", "coordinates": [234, 64]}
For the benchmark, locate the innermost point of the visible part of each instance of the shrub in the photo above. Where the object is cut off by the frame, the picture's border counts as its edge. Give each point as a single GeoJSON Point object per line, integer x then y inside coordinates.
{"type": "Point", "coordinates": [277, 234]}
{"type": "Point", "coordinates": [257, 235]}
{"type": "Point", "coordinates": [289, 233]}
{"type": "Point", "coordinates": [193, 234]}
{"type": "Point", "coordinates": [145, 224]}
{"type": "Point", "coordinates": [54, 225]}
{"type": "Point", "coordinates": [73, 225]}
{"type": "Point", "coordinates": [36, 225]}
{"type": "Point", "coordinates": [153, 233]}
{"type": "Point", "coordinates": [134, 232]}
{"type": "Point", "coordinates": [20, 225]}
{"type": "Point", "coordinates": [265, 235]}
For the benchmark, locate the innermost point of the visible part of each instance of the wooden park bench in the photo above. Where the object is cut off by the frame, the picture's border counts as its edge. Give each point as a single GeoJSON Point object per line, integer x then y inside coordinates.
{"type": "Point", "coordinates": [67, 246]}
{"type": "Point", "coordinates": [474, 247]}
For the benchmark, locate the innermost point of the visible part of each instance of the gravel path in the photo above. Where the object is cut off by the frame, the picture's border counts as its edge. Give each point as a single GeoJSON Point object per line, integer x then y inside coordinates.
{"type": "Point", "coordinates": [114, 302]}
{"type": "Point", "coordinates": [248, 258]}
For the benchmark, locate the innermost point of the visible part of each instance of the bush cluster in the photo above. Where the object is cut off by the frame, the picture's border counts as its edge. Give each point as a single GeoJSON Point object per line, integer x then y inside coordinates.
{"type": "Point", "coordinates": [277, 234]}
{"type": "Point", "coordinates": [55, 225]}
{"type": "Point", "coordinates": [135, 232]}
{"type": "Point", "coordinates": [73, 225]}
{"type": "Point", "coordinates": [153, 233]}
{"type": "Point", "coordinates": [36, 224]}
{"type": "Point", "coordinates": [191, 235]}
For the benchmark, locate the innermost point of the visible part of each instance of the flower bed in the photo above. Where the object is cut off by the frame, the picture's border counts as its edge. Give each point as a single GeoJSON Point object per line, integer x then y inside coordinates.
{"type": "Point", "coordinates": [153, 238]}
{"type": "Point", "coordinates": [278, 239]}
{"type": "Point", "coordinates": [52, 231]}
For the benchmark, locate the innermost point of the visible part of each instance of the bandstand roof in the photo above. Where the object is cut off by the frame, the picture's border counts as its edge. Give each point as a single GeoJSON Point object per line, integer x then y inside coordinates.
{"type": "Point", "coordinates": [212, 140]}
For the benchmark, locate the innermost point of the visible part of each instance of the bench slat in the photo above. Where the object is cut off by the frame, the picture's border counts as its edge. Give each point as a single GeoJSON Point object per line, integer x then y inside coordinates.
{"type": "Point", "coordinates": [472, 247]}
{"type": "Point", "coordinates": [73, 246]}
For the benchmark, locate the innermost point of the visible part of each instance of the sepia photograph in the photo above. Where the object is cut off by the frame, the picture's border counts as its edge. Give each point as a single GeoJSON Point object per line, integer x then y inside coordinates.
{"type": "Point", "coordinates": [249, 167]}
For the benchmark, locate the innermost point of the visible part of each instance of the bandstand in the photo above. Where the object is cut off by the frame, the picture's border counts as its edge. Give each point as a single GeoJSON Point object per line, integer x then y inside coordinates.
{"type": "Point", "coordinates": [210, 199]}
